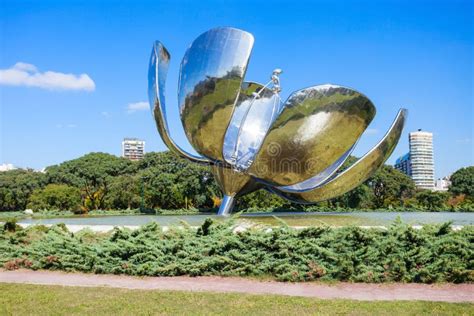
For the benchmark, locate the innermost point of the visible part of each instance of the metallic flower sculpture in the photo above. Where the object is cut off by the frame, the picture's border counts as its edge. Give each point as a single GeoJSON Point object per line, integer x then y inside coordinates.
{"type": "Point", "coordinates": [251, 138]}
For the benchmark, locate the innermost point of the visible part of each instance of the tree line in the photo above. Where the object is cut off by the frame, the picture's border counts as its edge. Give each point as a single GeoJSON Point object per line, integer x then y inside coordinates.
{"type": "Point", "coordinates": [161, 180]}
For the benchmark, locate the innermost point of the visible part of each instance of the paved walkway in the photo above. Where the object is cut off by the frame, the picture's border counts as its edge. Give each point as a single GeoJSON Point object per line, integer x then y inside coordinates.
{"type": "Point", "coordinates": [355, 291]}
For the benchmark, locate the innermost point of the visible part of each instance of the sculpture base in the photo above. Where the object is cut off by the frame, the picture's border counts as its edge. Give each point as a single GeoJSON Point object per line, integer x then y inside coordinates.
{"type": "Point", "coordinates": [226, 206]}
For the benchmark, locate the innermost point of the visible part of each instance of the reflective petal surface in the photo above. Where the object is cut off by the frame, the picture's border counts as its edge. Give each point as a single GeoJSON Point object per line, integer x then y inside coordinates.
{"type": "Point", "coordinates": [318, 179]}
{"type": "Point", "coordinates": [157, 72]}
{"type": "Point", "coordinates": [356, 174]}
{"type": "Point", "coordinates": [255, 110]}
{"type": "Point", "coordinates": [233, 183]}
{"type": "Point", "coordinates": [211, 75]}
{"type": "Point", "coordinates": [317, 126]}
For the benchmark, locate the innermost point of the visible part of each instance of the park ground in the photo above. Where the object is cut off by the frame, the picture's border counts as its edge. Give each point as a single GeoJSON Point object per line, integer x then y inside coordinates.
{"type": "Point", "coordinates": [22, 299]}
{"type": "Point", "coordinates": [59, 293]}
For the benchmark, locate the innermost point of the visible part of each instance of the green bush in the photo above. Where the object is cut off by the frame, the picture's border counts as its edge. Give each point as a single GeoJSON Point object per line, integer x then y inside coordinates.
{"type": "Point", "coordinates": [400, 253]}
{"type": "Point", "coordinates": [11, 225]}
{"type": "Point", "coordinates": [56, 197]}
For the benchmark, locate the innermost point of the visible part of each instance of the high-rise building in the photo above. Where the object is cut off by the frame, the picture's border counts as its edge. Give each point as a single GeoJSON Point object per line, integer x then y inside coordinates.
{"type": "Point", "coordinates": [421, 157]}
{"type": "Point", "coordinates": [404, 164]}
{"type": "Point", "coordinates": [133, 148]}
{"type": "Point", "coordinates": [419, 162]}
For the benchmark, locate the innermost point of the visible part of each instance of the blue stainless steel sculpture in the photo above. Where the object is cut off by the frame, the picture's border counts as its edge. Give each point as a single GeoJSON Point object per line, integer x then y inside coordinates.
{"type": "Point", "coordinates": [252, 139]}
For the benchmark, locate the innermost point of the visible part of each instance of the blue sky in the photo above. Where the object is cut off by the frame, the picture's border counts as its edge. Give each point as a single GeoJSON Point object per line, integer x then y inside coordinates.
{"type": "Point", "coordinates": [86, 62]}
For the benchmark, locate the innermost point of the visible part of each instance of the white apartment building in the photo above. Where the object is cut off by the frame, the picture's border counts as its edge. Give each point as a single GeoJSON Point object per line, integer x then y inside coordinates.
{"type": "Point", "coordinates": [133, 148]}
{"type": "Point", "coordinates": [421, 159]}
{"type": "Point", "coordinates": [7, 167]}
{"type": "Point", "coordinates": [442, 184]}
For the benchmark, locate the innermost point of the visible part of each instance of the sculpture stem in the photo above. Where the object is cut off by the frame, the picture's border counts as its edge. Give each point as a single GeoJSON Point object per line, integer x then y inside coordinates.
{"type": "Point", "coordinates": [226, 206]}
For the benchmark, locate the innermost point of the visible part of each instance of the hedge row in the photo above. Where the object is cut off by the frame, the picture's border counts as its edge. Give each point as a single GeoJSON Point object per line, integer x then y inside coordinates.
{"type": "Point", "coordinates": [400, 253]}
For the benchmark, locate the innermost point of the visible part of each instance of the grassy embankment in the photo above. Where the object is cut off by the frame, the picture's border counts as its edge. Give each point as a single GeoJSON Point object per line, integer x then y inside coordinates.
{"type": "Point", "coordinates": [56, 300]}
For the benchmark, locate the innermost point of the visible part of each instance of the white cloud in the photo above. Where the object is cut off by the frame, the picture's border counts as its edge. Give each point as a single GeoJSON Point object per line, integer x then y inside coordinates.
{"type": "Point", "coordinates": [105, 113]}
{"type": "Point", "coordinates": [138, 106]}
{"type": "Point", "coordinates": [23, 74]}
{"type": "Point", "coordinates": [25, 67]}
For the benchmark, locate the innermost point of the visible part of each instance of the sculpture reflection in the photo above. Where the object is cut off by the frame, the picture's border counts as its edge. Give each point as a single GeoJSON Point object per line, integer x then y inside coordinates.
{"type": "Point", "coordinates": [211, 75]}
{"type": "Point", "coordinates": [251, 138]}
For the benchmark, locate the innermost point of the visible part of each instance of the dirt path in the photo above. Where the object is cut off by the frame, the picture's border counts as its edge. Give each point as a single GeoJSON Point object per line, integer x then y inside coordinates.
{"type": "Point", "coordinates": [355, 291]}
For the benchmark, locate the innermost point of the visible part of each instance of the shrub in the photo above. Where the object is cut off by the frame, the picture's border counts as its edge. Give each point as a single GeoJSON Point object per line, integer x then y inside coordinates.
{"type": "Point", "coordinates": [11, 225]}
{"type": "Point", "coordinates": [400, 253]}
{"type": "Point", "coordinates": [17, 264]}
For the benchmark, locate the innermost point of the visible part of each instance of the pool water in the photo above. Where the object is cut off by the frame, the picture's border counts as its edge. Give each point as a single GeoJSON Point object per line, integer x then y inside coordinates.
{"type": "Point", "coordinates": [295, 219]}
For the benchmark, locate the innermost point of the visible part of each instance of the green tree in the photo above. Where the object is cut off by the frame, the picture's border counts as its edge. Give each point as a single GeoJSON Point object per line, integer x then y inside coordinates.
{"type": "Point", "coordinates": [173, 182]}
{"type": "Point", "coordinates": [124, 193]}
{"type": "Point", "coordinates": [93, 174]}
{"type": "Point", "coordinates": [16, 187]}
{"type": "Point", "coordinates": [361, 197]}
{"type": "Point", "coordinates": [462, 182]}
{"type": "Point", "coordinates": [390, 187]}
{"type": "Point", "coordinates": [56, 197]}
{"type": "Point", "coordinates": [261, 199]}
{"type": "Point", "coordinates": [431, 200]}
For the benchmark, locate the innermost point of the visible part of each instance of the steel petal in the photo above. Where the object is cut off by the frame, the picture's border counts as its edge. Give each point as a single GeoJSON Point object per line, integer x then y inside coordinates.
{"type": "Point", "coordinates": [317, 126]}
{"type": "Point", "coordinates": [318, 179]}
{"type": "Point", "coordinates": [255, 110]}
{"type": "Point", "coordinates": [211, 75]}
{"type": "Point", "coordinates": [233, 183]}
{"type": "Point", "coordinates": [356, 174]}
{"type": "Point", "coordinates": [157, 72]}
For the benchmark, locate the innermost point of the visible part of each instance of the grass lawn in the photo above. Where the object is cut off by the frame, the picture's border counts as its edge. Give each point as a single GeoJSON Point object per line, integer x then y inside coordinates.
{"type": "Point", "coordinates": [16, 299]}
